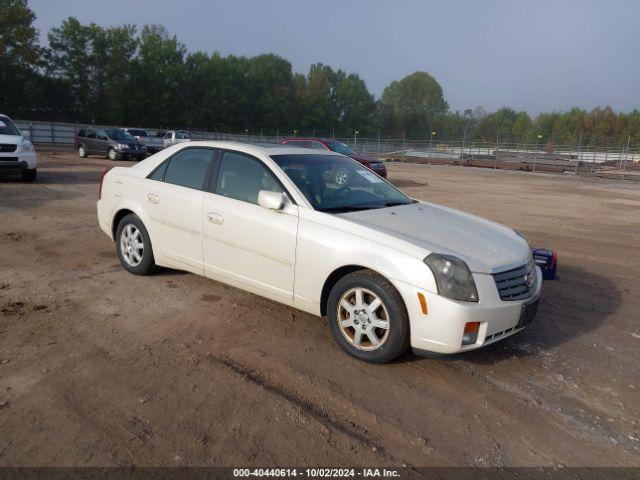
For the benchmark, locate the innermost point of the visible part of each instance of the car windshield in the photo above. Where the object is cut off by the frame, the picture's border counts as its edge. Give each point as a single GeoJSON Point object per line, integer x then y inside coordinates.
{"type": "Point", "coordinates": [137, 133]}
{"type": "Point", "coordinates": [333, 183]}
{"type": "Point", "coordinates": [7, 127]}
{"type": "Point", "coordinates": [340, 147]}
{"type": "Point", "coordinates": [117, 134]}
{"type": "Point", "coordinates": [183, 135]}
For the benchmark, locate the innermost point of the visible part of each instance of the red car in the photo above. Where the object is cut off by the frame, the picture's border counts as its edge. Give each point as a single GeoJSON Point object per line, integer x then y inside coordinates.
{"type": "Point", "coordinates": [336, 146]}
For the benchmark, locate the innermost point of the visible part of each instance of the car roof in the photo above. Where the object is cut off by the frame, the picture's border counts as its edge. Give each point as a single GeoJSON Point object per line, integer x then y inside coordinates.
{"type": "Point", "coordinates": [308, 139]}
{"type": "Point", "coordinates": [259, 148]}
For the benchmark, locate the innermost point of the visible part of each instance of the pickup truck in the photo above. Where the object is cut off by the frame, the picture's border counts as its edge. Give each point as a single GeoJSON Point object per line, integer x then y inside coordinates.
{"type": "Point", "coordinates": [153, 144]}
{"type": "Point", "coordinates": [176, 136]}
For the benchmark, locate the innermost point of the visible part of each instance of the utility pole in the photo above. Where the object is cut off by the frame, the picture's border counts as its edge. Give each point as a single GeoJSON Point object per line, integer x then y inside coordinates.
{"type": "Point", "coordinates": [538, 137]}
{"type": "Point", "coordinates": [495, 165]}
{"type": "Point", "coordinates": [464, 137]}
{"type": "Point", "coordinates": [355, 140]}
{"type": "Point", "coordinates": [625, 158]}
{"type": "Point", "coordinates": [579, 148]}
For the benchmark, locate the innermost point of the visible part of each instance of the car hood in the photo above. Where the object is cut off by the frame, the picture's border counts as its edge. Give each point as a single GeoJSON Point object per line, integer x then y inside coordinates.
{"type": "Point", "coordinates": [11, 139]}
{"type": "Point", "coordinates": [485, 246]}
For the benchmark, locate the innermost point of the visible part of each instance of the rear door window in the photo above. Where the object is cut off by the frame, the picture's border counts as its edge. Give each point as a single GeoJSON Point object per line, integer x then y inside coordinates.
{"type": "Point", "coordinates": [189, 167]}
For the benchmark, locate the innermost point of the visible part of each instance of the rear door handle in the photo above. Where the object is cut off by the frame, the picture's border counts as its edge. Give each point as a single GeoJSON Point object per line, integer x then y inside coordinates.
{"type": "Point", "coordinates": [215, 218]}
{"type": "Point", "coordinates": [153, 198]}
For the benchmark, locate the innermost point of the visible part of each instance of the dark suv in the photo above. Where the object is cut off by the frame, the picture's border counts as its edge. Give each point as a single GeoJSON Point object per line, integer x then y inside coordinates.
{"type": "Point", "coordinates": [335, 146]}
{"type": "Point", "coordinates": [115, 143]}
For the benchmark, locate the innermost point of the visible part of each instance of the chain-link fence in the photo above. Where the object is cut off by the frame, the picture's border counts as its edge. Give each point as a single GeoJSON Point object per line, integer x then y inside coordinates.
{"type": "Point", "coordinates": [605, 161]}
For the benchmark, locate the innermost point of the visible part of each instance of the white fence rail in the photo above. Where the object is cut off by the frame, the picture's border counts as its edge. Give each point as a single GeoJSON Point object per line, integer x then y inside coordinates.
{"type": "Point", "coordinates": [63, 134]}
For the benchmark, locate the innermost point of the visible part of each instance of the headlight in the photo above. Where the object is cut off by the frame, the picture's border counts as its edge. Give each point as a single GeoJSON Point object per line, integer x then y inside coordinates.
{"type": "Point", "coordinates": [27, 146]}
{"type": "Point", "coordinates": [453, 277]}
{"type": "Point", "coordinates": [122, 146]}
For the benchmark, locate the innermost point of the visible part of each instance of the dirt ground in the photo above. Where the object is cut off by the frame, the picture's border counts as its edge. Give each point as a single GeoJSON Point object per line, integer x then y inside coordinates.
{"type": "Point", "coordinates": [100, 367]}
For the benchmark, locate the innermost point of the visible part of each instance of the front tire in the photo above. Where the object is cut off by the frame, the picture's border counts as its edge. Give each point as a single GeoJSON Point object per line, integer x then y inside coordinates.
{"type": "Point", "coordinates": [29, 175]}
{"type": "Point", "coordinates": [82, 151]}
{"type": "Point", "coordinates": [112, 154]}
{"type": "Point", "coordinates": [368, 318]}
{"type": "Point", "coordinates": [133, 246]}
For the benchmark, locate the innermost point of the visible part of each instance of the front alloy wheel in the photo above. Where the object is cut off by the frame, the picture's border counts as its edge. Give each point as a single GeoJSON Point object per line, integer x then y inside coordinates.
{"type": "Point", "coordinates": [363, 319]}
{"type": "Point", "coordinates": [367, 317]}
{"type": "Point", "coordinates": [112, 154]}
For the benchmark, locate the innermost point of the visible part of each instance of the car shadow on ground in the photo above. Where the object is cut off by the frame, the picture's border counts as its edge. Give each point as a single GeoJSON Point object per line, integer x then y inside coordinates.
{"type": "Point", "coordinates": [576, 303]}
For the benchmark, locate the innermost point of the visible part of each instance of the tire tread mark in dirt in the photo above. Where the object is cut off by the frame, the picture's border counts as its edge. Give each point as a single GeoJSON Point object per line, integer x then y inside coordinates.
{"type": "Point", "coordinates": [81, 406]}
{"type": "Point", "coordinates": [306, 406]}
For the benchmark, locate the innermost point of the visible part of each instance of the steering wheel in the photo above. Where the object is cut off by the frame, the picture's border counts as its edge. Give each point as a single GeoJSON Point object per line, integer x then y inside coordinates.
{"type": "Point", "coordinates": [342, 191]}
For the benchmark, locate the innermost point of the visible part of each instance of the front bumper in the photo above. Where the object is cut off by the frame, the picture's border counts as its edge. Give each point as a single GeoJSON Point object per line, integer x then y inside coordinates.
{"type": "Point", "coordinates": [442, 328]}
{"type": "Point", "coordinates": [18, 161]}
{"type": "Point", "coordinates": [381, 171]}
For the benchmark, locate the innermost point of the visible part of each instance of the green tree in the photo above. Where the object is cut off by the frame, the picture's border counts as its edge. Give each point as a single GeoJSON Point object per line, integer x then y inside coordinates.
{"type": "Point", "coordinates": [156, 95]}
{"type": "Point", "coordinates": [69, 60]}
{"type": "Point", "coordinates": [19, 56]}
{"type": "Point", "coordinates": [412, 105]}
{"type": "Point", "coordinates": [522, 130]}
{"type": "Point", "coordinates": [354, 105]}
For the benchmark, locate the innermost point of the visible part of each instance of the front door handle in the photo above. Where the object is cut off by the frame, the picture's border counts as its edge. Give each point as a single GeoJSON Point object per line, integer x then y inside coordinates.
{"type": "Point", "coordinates": [215, 218]}
{"type": "Point", "coordinates": [153, 198]}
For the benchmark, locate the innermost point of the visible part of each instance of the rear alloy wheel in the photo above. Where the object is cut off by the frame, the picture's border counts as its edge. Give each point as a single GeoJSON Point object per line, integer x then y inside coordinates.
{"type": "Point", "coordinates": [368, 318]}
{"type": "Point", "coordinates": [82, 152]}
{"type": "Point", "coordinates": [112, 154]}
{"type": "Point", "coordinates": [134, 246]}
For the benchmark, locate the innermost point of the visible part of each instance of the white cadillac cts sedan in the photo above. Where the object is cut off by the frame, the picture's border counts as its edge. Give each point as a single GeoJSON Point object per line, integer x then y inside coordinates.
{"type": "Point", "coordinates": [389, 272]}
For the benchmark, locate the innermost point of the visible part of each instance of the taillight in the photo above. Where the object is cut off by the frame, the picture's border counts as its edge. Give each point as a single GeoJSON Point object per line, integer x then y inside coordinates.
{"type": "Point", "coordinates": [101, 180]}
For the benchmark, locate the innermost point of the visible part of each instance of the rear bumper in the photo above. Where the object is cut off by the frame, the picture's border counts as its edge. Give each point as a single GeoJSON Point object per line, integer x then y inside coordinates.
{"type": "Point", "coordinates": [442, 328]}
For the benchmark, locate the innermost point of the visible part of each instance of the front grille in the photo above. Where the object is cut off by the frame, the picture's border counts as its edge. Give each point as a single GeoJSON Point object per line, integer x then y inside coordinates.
{"type": "Point", "coordinates": [8, 147]}
{"type": "Point", "coordinates": [500, 334]}
{"type": "Point", "coordinates": [513, 285]}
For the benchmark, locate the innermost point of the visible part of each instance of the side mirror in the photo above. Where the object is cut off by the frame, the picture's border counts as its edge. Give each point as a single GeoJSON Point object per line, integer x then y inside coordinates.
{"type": "Point", "coordinates": [271, 200]}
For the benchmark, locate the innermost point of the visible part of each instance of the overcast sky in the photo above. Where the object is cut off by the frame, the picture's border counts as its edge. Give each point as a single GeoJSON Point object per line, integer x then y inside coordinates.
{"type": "Point", "coordinates": [537, 56]}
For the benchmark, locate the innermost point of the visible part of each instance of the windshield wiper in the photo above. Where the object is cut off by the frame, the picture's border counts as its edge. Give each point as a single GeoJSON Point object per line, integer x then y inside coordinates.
{"type": "Point", "coordinates": [348, 208]}
{"type": "Point", "coordinates": [395, 204]}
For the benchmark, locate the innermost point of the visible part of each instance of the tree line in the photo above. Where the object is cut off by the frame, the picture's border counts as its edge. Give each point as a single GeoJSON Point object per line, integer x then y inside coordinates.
{"type": "Point", "coordinates": [123, 75]}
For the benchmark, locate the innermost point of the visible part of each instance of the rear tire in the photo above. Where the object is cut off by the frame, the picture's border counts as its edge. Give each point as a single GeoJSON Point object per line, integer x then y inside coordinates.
{"type": "Point", "coordinates": [133, 246]}
{"type": "Point", "coordinates": [368, 318]}
{"type": "Point", "coordinates": [82, 151]}
{"type": "Point", "coordinates": [29, 175]}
